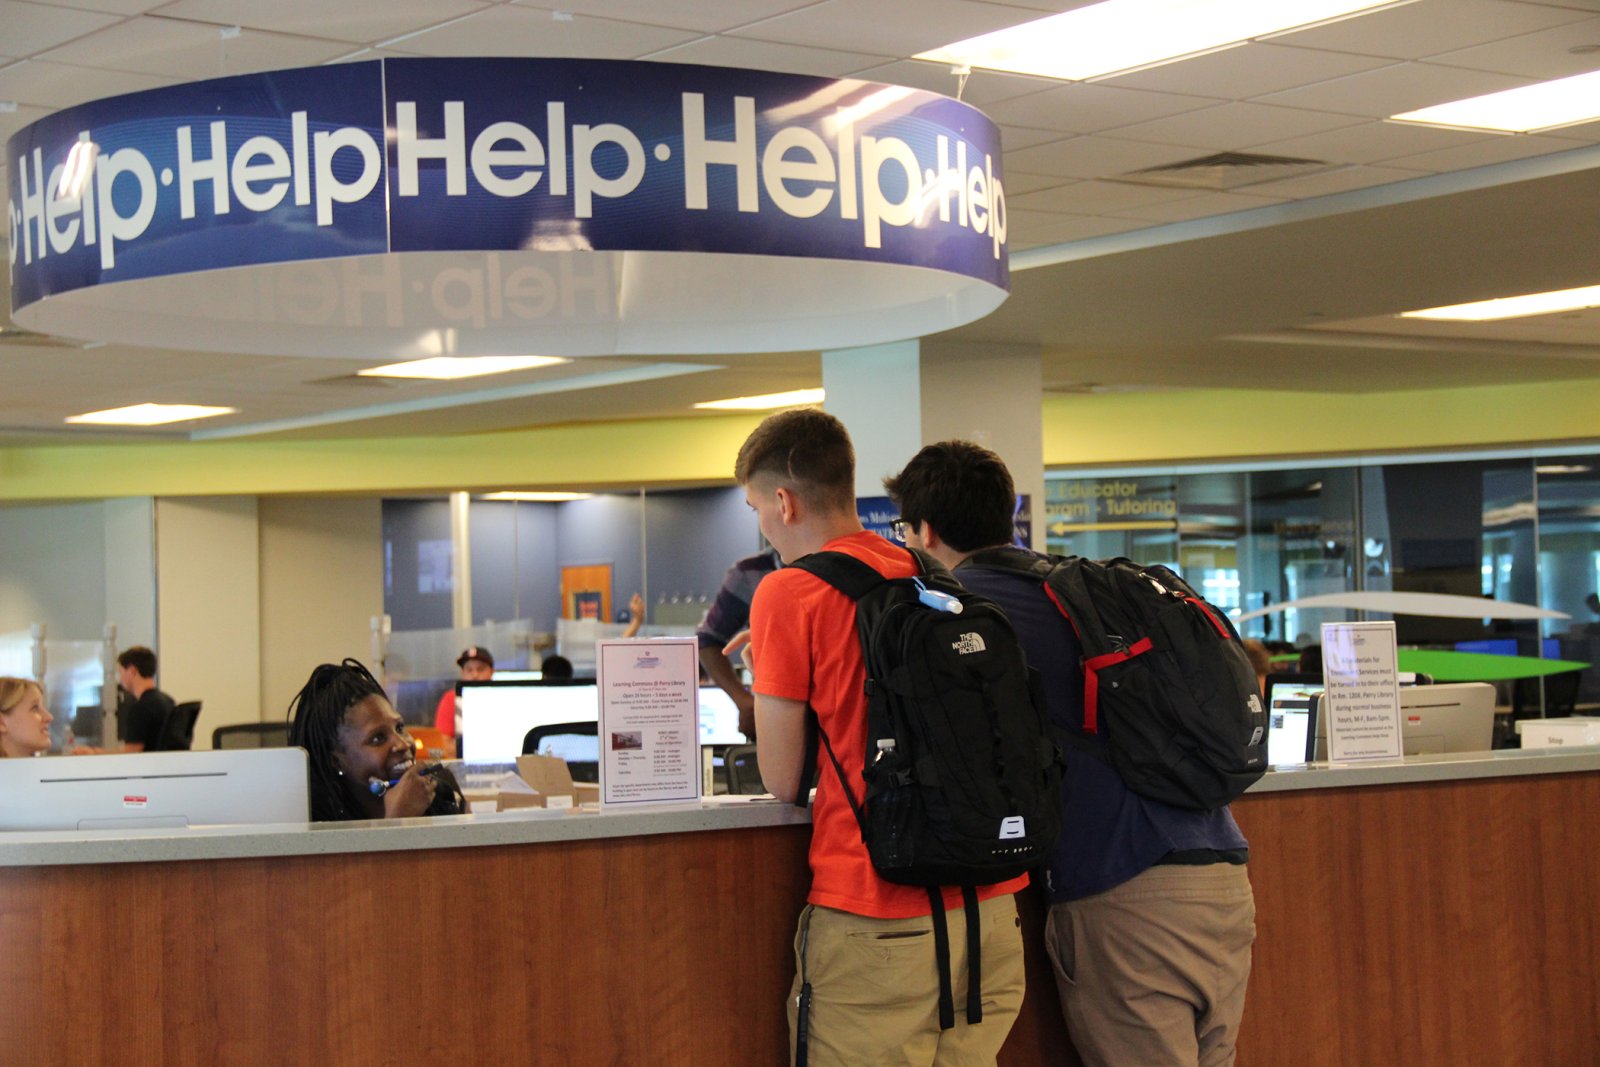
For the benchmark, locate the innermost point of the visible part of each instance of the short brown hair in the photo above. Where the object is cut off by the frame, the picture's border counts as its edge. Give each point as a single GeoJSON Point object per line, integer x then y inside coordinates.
{"type": "Point", "coordinates": [808, 450]}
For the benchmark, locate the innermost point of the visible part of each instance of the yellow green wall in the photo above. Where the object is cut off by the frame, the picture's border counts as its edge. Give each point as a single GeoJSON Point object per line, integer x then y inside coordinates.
{"type": "Point", "coordinates": [1103, 429]}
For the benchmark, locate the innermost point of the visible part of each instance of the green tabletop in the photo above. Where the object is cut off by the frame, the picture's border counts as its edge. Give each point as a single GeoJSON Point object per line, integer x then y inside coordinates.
{"type": "Point", "coordinates": [1447, 666]}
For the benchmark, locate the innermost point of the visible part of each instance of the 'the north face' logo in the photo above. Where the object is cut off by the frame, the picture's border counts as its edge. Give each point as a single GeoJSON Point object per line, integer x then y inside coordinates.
{"type": "Point", "coordinates": [969, 643]}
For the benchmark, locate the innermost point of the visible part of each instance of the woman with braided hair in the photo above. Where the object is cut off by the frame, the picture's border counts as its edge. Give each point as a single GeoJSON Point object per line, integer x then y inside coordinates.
{"type": "Point", "coordinates": [362, 762]}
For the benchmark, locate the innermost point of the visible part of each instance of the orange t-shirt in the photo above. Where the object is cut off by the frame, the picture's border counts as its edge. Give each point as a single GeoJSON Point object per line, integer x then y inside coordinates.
{"type": "Point", "coordinates": [803, 636]}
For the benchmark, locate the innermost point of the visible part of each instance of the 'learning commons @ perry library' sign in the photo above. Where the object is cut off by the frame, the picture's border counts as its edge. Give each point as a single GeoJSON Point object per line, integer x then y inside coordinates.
{"type": "Point", "coordinates": [463, 202]}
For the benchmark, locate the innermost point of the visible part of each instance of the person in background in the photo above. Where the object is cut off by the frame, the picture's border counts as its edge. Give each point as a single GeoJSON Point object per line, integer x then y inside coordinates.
{"type": "Point", "coordinates": [146, 722]}
{"type": "Point", "coordinates": [1152, 916]}
{"type": "Point", "coordinates": [555, 669]}
{"type": "Point", "coordinates": [24, 720]}
{"type": "Point", "coordinates": [476, 665]}
{"type": "Point", "coordinates": [1260, 660]}
{"type": "Point", "coordinates": [729, 617]}
{"type": "Point", "coordinates": [866, 975]}
{"type": "Point", "coordinates": [362, 764]}
{"type": "Point", "coordinates": [635, 616]}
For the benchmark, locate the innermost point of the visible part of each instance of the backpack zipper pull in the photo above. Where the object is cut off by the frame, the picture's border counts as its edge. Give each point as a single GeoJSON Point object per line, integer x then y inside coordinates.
{"type": "Point", "coordinates": [936, 600]}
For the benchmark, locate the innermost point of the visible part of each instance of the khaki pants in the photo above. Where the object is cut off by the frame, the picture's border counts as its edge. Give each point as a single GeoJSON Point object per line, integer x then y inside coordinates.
{"type": "Point", "coordinates": [1153, 972]}
{"type": "Point", "coordinates": [875, 988]}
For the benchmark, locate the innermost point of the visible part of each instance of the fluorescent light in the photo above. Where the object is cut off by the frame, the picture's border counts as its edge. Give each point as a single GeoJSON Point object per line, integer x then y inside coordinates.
{"type": "Point", "coordinates": [792, 399]}
{"type": "Point", "coordinates": [1544, 106]}
{"type": "Point", "coordinates": [548, 498]}
{"type": "Point", "coordinates": [1562, 468]}
{"type": "Point", "coordinates": [1124, 35]}
{"type": "Point", "coordinates": [1513, 307]}
{"type": "Point", "coordinates": [150, 414]}
{"type": "Point", "coordinates": [445, 368]}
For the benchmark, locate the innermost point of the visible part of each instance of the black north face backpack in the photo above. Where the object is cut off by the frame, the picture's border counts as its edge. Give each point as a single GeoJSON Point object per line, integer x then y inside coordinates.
{"type": "Point", "coordinates": [962, 775]}
{"type": "Point", "coordinates": [1170, 699]}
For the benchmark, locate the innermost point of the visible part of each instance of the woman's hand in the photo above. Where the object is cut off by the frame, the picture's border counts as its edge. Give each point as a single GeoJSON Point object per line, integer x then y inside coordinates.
{"type": "Point", "coordinates": [411, 795]}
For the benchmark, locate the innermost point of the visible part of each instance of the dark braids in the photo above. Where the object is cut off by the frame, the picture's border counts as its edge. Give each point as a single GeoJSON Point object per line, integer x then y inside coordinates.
{"type": "Point", "coordinates": [316, 715]}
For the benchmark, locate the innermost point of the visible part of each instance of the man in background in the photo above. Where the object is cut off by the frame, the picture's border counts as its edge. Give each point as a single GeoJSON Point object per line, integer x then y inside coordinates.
{"type": "Point", "coordinates": [146, 720]}
{"type": "Point", "coordinates": [728, 617]}
{"type": "Point", "coordinates": [476, 665]}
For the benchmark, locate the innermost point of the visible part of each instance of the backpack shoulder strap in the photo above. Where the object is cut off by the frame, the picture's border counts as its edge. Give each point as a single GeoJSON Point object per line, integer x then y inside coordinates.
{"type": "Point", "coordinates": [854, 578]}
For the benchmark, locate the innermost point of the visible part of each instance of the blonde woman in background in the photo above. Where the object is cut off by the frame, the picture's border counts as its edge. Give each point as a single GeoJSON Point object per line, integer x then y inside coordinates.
{"type": "Point", "coordinates": [24, 720]}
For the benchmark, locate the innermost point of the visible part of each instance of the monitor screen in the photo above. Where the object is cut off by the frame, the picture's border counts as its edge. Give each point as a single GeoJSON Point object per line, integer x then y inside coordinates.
{"type": "Point", "coordinates": [1291, 718]}
{"type": "Point", "coordinates": [496, 716]}
{"type": "Point", "coordinates": [152, 790]}
{"type": "Point", "coordinates": [719, 718]}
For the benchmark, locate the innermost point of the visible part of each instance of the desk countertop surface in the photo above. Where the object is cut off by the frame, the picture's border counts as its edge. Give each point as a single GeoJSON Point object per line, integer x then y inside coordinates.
{"type": "Point", "coordinates": [533, 825]}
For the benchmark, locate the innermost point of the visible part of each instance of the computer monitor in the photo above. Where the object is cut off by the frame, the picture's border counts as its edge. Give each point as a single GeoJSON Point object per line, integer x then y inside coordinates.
{"type": "Point", "coordinates": [719, 718]}
{"type": "Point", "coordinates": [497, 715]}
{"type": "Point", "coordinates": [1458, 717]}
{"type": "Point", "coordinates": [1292, 718]}
{"type": "Point", "coordinates": [153, 790]}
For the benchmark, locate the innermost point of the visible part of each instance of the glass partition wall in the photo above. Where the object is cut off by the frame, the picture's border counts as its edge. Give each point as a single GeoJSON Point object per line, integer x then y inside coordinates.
{"type": "Point", "coordinates": [1521, 529]}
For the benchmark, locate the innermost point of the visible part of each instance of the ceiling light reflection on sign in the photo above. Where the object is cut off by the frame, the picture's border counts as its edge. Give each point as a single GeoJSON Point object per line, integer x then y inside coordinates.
{"type": "Point", "coordinates": [149, 414]}
{"type": "Point", "coordinates": [449, 368]}
{"type": "Point", "coordinates": [1543, 106]}
{"type": "Point", "coordinates": [766, 401]}
{"type": "Point", "coordinates": [1513, 307]}
{"type": "Point", "coordinates": [1119, 36]}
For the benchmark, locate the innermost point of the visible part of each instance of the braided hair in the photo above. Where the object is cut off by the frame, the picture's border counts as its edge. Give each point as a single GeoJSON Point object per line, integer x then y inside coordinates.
{"type": "Point", "coordinates": [317, 713]}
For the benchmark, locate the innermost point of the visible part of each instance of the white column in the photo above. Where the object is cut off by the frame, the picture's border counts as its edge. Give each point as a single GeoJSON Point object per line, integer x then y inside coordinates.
{"type": "Point", "coordinates": [460, 562]}
{"type": "Point", "coordinates": [895, 398]}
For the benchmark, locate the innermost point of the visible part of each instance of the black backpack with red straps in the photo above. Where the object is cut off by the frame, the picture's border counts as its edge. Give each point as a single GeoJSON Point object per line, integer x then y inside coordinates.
{"type": "Point", "coordinates": [1170, 698]}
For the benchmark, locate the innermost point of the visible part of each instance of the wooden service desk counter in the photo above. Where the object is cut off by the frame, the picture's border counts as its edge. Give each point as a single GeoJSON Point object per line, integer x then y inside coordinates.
{"type": "Point", "coordinates": [1440, 910]}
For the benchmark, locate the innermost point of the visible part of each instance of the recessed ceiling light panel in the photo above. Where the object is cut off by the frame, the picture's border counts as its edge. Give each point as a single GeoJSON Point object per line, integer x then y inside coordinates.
{"type": "Point", "coordinates": [449, 368]}
{"type": "Point", "coordinates": [792, 399]}
{"type": "Point", "coordinates": [1544, 106]}
{"type": "Point", "coordinates": [1513, 307]}
{"type": "Point", "coordinates": [149, 414]}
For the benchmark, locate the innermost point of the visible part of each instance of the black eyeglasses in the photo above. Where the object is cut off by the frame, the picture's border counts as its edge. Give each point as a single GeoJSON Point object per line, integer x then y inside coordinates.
{"type": "Point", "coordinates": [897, 527]}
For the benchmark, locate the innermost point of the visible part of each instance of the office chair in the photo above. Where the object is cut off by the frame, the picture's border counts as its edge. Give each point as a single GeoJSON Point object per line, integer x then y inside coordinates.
{"type": "Point", "coordinates": [744, 775]}
{"type": "Point", "coordinates": [251, 735]}
{"type": "Point", "coordinates": [576, 742]}
{"type": "Point", "coordinates": [1560, 695]}
{"type": "Point", "coordinates": [187, 714]}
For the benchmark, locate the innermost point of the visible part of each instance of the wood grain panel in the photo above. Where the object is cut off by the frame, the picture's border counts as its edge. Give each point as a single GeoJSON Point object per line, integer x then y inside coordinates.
{"type": "Point", "coordinates": [1451, 923]}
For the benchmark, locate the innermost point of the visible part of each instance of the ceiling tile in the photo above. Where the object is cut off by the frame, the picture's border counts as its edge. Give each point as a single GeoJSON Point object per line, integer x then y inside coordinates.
{"type": "Point", "coordinates": [532, 31]}
{"type": "Point", "coordinates": [1097, 198]}
{"type": "Point", "coordinates": [57, 85]}
{"type": "Point", "coordinates": [1248, 70]}
{"type": "Point", "coordinates": [1078, 107]}
{"type": "Point", "coordinates": [983, 87]}
{"type": "Point", "coordinates": [1429, 27]}
{"type": "Point", "coordinates": [190, 50]}
{"type": "Point", "coordinates": [1374, 142]}
{"type": "Point", "coordinates": [1543, 55]}
{"type": "Point", "coordinates": [31, 28]}
{"type": "Point", "coordinates": [1482, 153]}
{"type": "Point", "coordinates": [886, 27]}
{"type": "Point", "coordinates": [1094, 157]}
{"type": "Point", "coordinates": [1335, 181]}
{"type": "Point", "coordinates": [1393, 89]}
{"type": "Point", "coordinates": [706, 16]}
{"type": "Point", "coordinates": [1045, 228]}
{"type": "Point", "coordinates": [111, 7]}
{"type": "Point", "coordinates": [764, 55]}
{"type": "Point", "coordinates": [1199, 207]}
{"type": "Point", "coordinates": [1235, 126]}
{"type": "Point", "coordinates": [1016, 138]}
{"type": "Point", "coordinates": [357, 23]}
{"type": "Point", "coordinates": [24, 115]}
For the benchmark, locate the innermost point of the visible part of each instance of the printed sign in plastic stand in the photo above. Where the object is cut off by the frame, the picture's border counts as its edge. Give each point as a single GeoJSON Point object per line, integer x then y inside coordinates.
{"type": "Point", "coordinates": [1361, 703]}
{"type": "Point", "coordinates": [649, 721]}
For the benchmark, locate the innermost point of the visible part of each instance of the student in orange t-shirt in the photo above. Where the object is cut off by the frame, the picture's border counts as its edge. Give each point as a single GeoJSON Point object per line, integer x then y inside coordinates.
{"type": "Point", "coordinates": [798, 472]}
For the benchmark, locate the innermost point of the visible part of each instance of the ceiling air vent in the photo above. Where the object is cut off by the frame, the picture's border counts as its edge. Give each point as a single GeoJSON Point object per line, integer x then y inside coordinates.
{"type": "Point", "coordinates": [1225, 170]}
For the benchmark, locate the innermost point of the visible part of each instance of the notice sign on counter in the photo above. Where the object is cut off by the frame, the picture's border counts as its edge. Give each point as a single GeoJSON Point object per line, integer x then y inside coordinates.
{"type": "Point", "coordinates": [1362, 701]}
{"type": "Point", "coordinates": [649, 720]}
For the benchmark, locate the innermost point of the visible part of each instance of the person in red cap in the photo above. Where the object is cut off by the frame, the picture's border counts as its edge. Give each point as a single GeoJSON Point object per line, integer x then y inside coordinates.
{"type": "Point", "coordinates": [477, 665]}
